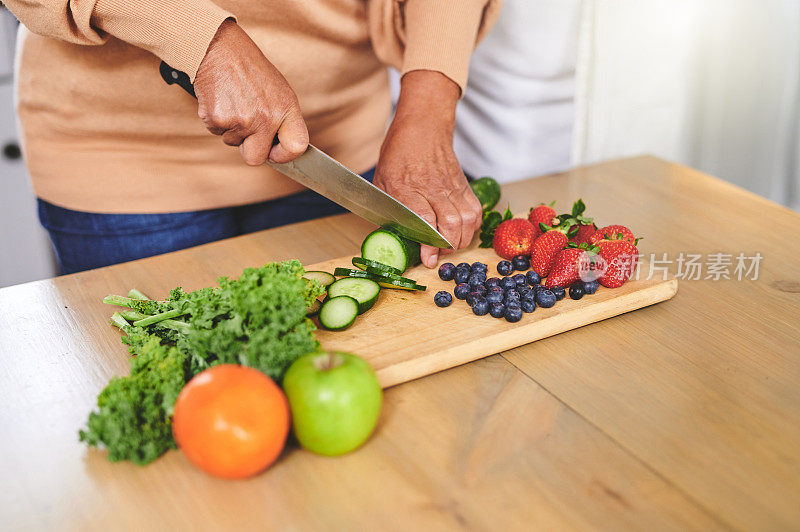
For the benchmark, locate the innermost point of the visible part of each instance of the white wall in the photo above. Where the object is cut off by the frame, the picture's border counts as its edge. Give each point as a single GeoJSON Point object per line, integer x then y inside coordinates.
{"type": "Point", "coordinates": [25, 251]}
{"type": "Point", "coordinates": [714, 84]}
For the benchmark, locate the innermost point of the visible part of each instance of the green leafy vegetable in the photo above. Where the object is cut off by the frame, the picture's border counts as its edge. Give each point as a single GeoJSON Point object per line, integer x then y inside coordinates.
{"type": "Point", "coordinates": [134, 416]}
{"type": "Point", "coordinates": [258, 320]}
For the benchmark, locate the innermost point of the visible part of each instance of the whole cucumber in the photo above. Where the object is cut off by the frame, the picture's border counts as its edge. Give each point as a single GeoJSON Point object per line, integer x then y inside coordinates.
{"type": "Point", "coordinates": [487, 190]}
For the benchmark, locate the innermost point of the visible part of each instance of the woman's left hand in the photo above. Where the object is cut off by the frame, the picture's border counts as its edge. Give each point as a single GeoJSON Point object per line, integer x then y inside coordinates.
{"type": "Point", "coordinates": [418, 167]}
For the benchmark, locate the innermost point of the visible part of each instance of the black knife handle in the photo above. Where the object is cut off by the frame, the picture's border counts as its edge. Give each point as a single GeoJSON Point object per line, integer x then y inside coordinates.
{"type": "Point", "coordinates": [172, 76]}
{"type": "Point", "coordinates": [176, 77]}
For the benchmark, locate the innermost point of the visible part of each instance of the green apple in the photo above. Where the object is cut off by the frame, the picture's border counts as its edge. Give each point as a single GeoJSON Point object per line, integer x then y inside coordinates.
{"type": "Point", "coordinates": [335, 399]}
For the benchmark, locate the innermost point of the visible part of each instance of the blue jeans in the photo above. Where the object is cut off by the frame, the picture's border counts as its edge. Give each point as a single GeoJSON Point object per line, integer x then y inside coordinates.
{"type": "Point", "coordinates": [85, 240]}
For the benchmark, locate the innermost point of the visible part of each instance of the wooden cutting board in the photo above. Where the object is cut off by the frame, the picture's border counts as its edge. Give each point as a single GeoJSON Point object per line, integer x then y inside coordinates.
{"type": "Point", "coordinates": [406, 336]}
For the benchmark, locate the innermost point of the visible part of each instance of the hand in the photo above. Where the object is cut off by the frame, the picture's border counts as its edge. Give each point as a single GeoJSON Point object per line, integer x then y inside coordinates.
{"type": "Point", "coordinates": [418, 167]}
{"type": "Point", "coordinates": [243, 97]}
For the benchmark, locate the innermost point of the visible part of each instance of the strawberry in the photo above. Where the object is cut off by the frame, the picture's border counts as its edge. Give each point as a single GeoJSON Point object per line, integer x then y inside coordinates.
{"type": "Point", "coordinates": [586, 226]}
{"type": "Point", "coordinates": [513, 237]}
{"type": "Point", "coordinates": [613, 232]}
{"type": "Point", "coordinates": [542, 214]}
{"type": "Point", "coordinates": [584, 232]}
{"type": "Point", "coordinates": [547, 246]}
{"type": "Point", "coordinates": [572, 264]}
{"type": "Point", "coordinates": [619, 258]}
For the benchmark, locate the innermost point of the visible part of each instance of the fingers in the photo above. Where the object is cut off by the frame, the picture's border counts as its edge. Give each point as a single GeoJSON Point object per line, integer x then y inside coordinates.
{"type": "Point", "coordinates": [448, 219]}
{"type": "Point", "coordinates": [255, 148]}
{"type": "Point", "coordinates": [255, 138]}
{"type": "Point", "coordinates": [471, 216]}
{"type": "Point", "coordinates": [256, 141]}
{"type": "Point", "coordinates": [292, 138]}
{"type": "Point", "coordinates": [235, 137]}
{"type": "Point", "coordinates": [428, 254]}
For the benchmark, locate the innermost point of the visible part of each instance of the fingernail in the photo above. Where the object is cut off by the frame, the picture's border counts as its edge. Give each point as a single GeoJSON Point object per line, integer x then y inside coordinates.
{"type": "Point", "coordinates": [432, 260]}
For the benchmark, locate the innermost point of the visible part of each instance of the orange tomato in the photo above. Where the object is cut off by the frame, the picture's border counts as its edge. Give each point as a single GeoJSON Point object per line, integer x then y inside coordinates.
{"type": "Point", "coordinates": [231, 421]}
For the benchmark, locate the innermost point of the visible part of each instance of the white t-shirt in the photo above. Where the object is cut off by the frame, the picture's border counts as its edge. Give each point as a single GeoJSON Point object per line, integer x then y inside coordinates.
{"type": "Point", "coordinates": [515, 120]}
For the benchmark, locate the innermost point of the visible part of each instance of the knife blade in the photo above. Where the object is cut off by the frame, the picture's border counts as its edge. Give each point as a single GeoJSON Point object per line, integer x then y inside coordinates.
{"type": "Point", "coordinates": [327, 176]}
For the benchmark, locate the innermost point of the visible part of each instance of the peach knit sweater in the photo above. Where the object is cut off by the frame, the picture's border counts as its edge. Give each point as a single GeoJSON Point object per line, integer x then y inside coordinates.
{"type": "Point", "coordinates": [103, 133]}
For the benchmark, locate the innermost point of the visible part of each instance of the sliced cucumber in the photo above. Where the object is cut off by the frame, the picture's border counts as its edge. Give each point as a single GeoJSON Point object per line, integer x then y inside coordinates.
{"type": "Point", "coordinates": [338, 313]}
{"type": "Point", "coordinates": [385, 281]}
{"type": "Point", "coordinates": [365, 291]}
{"type": "Point", "coordinates": [364, 264]}
{"type": "Point", "coordinates": [313, 309]}
{"type": "Point", "coordinates": [388, 282]}
{"type": "Point", "coordinates": [323, 278]}
{"type": "Point", "coordinates": [385, 245]}
{"type": "Point", "coordinates": [373, 273]}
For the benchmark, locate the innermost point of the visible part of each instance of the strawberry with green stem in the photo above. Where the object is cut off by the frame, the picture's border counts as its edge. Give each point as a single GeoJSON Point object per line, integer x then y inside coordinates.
{"type": "Point", "coordinates": [613, 232]}
{"type": "Point", "coordinates": [576, 262]}
{"type": "Point", "coordinates": [546, 247]}
{"type": "Point", "coordinates": [544, 214]}
{"type": "Point", "coordinates": [619, 258]}
{"type": "Point", "coordinates": [513, 237]}
{"type": "Point", "coordinates": [586, 226]}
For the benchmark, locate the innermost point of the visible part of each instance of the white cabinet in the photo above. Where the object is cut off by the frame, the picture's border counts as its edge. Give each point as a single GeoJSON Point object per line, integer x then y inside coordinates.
{"type": "Point", "coordinates": [25, 250]}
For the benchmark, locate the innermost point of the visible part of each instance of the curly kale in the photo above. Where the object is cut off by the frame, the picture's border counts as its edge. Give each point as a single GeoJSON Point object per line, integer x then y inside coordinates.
{"type": "Point", "coordinates": [135, 412]}
{"type": "Point", "coordinates": [257, 320]}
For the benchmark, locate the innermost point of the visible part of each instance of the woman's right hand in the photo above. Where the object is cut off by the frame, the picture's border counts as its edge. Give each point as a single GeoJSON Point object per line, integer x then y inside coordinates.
{"type": "Point", "coordinates": [243, 97]}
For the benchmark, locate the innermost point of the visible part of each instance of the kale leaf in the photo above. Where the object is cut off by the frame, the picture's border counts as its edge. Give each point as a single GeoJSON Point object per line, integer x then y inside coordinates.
{"type": "Point", "coordinates": [258, 320]}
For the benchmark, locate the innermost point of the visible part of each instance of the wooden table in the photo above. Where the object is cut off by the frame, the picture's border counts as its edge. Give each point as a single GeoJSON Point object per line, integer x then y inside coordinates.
{"type": "Point", "coordinates": [681, 415]}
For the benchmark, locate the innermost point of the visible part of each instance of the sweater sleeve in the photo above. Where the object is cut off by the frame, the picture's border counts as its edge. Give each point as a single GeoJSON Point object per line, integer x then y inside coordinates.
{"type": "Point", "coordinates": [437, 35]}
{"type": "Point", "coordinates": [178, 32]}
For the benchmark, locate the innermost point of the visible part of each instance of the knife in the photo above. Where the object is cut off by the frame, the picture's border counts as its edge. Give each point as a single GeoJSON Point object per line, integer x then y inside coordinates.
{"type": "Point", "coordinates": [327, 176]}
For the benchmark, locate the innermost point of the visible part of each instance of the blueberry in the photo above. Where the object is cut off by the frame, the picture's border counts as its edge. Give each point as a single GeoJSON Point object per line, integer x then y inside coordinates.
{"type": "Point", "coordinates": [447, 271]}
{"type": "Point", "coordinates": [492, 282]}
{"type": "Point", "coordinates": [576, 291]}
{"type": "Point", "coordinates": [461, 275]}
{"type": "Point", "coordinates": [508, 283]}
{"type": "Point", "coordinates": [590, 287]}
{"type": "Point", "coordinates": [472, 297]}
{"type": "Point", "coordinates": [494, 297]}
{"type": "Point", "coordinates": [481, 307]}
{"type": "Point", "coordinates": [479, 288]}
{"type": "Point", "coordinates": [512, 294]}
{"type": "Point", "coordinates": [520, 279]}
{"type": "Point", "coordinates": [461, 291]}
{"type": "Point", "coordinates": [533, 278]}
{"type": "Point", "coordinates": [545, 298]}
{"type": "Point", "coordinates": [513, 314]}
{"type": "Point", "coordinates": [497, 310]}
{"type": "Point", "coordinates": [442, 299]}
{"type": "Point", "coordinates": [528, 305]}
{"type": "Point", "coordinates": [478, 275]}
{"type": "Point", "coordinates": [521, 263]}
{"type": "Point", "coordinates": [559, 292]}
{"type": "Point", "coordinates": [475, 281]}
{"type": "Point", "coordinates": [504, 267]}
{"type": "Point", "coordinates": [465, 265]}
{"type": "Point", "coordinates": [479, 267]}
{"type": "Point", "coordinates": [526, 292]}
{"type": "Point", "coordinates": [538, 288]}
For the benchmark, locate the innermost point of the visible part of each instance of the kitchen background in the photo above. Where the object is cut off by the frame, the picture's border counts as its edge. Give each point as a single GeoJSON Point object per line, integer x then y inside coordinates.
{"type": "Point", "coordinates": [713, 84]}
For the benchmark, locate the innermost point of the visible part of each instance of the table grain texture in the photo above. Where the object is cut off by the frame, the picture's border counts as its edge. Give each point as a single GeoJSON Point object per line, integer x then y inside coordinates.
{"type": "Point", "coordinates": [683, 415]}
